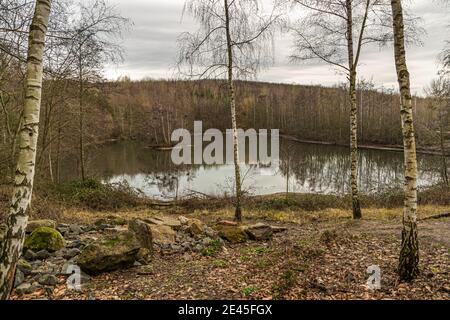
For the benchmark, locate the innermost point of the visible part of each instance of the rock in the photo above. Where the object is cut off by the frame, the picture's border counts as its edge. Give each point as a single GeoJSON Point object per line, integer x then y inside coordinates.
{"type": "Point", "coordinates": [76, 244]}
{"type": "Point", "coordinates": [45, 238]}
{"type": "Point", "coordinates": [259, 232]}
{"type": "Point", "coordinates": [206, 241]}
{"type": "Point", "coordinates": [110, 221]}
{"type": "Point", "coordinates": [115, 229]}
{"type": "Point", "coordinates": [137, 264]}
{"type": "Point", "coordinates": [115, 252]}
{"type": "Point", "coordinates": [24, 266]}
{"type": "Point", "coordinates": [195, 227]}
{"type": "Point", "coordinates": [48, 280]}
{"type": "Point", "coordinates": [232, 234]}
{"type": "Point", "coordinates": [176, 247]}
{"type": "Point", "coordinates": [29, 255]}
{"type": "Point", "coordinates": [183, 220]}
{"type": "Point", "coordinates": [2, 231]}
{"type": "Point", "coordinates": [24, 288]}
{"type": "Point", "coordinates": [69, 254]}
{"type": "Point", "coordinates": [75, 229]}
{"type": "Point", "coordinates": [42, 255]}
{"type": "Point", "coordinates": [198, 247]}
{"type": "Point", "coordinates": [19, 278]}
{"type": "Point", "coordinates": [103, 226]}
{"type": "Point", "coordinates": [144, 255]}
{"type": "Point", "coordinates": [34, 224]}
{"type": "Point", "coordinates": [186, 245]}
{"type": "Point", "coordinates": [165, 221]}
{"type": "Point", "coordinates": [163, 235]}
{"type": "Point", "coordinates": [143, 233]}
{"type": "Point", "coordinates": [210, 232]}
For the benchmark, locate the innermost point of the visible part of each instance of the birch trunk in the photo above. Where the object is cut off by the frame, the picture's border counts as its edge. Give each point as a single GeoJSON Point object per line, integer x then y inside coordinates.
{"type": "Point", "coordinates": [17, 219]}
{"type": "Point", "coordinates": [237, 170]}
{"type": "Point", "coordinates": [353, 115]}
{"type": "Point", "coordinates": [409, 253]}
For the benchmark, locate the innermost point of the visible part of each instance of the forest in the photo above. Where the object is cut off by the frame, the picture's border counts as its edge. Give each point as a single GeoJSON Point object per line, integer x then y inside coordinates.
{"type": "Point", "coordinates": [93, 207]}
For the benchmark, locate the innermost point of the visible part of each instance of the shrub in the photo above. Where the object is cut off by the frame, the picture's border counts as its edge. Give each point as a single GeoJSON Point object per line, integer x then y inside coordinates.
{"type": "Point", "coordinates": [96, 195]}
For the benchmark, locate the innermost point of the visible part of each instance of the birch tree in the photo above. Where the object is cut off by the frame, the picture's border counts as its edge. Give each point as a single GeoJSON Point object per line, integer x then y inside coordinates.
{"type": "Point", "coordinates": [11, 247]}
{"type": "Point", "coordinates": [409, 254]}
{"type": "Point", "coordinates": [335, 32]}
{"type": "Point", "coordinates": [233, 42]}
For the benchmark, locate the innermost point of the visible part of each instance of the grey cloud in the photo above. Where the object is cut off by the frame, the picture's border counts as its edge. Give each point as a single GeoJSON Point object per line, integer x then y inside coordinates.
{"type": "Point", "coordinates": [151, 48]}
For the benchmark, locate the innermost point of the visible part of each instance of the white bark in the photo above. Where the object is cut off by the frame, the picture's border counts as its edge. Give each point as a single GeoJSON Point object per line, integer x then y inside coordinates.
{"type": "Point", "coordinates": [409, 254]}
{"type": "Point", "coordinates": [17, 219]}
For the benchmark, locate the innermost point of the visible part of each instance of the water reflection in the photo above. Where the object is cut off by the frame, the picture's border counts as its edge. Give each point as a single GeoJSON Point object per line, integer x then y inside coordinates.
{"type": "Point", "coordinates": [303, 168]}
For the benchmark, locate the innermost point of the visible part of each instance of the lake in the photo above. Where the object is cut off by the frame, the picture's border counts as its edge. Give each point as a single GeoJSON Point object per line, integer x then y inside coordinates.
{"type": "Point", "coordinates": [304, 168]}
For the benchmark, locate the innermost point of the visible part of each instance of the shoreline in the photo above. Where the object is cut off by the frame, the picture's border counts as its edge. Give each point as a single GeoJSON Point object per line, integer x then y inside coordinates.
{"type": "Point", "coordinates": [381, 147]}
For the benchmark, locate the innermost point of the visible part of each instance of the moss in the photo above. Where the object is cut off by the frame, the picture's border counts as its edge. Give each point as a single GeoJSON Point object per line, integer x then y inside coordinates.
{"type": "Point", "coordinates": [24, 266]}
{"type": "Point", "coordinates": [232, 234]}
{"type": "Point", "coordinates": [45, 238]}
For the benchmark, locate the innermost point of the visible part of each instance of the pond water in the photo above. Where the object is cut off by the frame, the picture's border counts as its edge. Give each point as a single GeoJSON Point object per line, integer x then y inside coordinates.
{"type": "Point", "coordinates": [304, 168]}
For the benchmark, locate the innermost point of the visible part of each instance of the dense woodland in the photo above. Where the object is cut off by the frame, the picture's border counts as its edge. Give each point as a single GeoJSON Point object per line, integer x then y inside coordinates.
{"type": "Point", "coordinates": [149, 110]}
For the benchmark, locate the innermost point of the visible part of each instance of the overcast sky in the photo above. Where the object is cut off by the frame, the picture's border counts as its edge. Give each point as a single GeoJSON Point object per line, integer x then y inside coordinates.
{"type": "Point", "coordinates": [150, 48]}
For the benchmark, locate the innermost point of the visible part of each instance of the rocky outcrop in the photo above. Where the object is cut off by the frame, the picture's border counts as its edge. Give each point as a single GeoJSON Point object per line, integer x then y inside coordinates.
{"type": "Point", "coordinates": [168, 221]}
{"type": "Point", "coordinates": [232, 234]}
{"type": "Point", "coordinates": [162, 235]}
{"type": "Point", "coordinates": [143, 233]}
{"type": "Point", "coordinates": [114, 252]}
{"type": "Point", "coordinates": [259, 232]}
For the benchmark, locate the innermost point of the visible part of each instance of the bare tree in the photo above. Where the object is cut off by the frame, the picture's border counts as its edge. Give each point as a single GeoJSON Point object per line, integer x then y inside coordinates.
{"type": "Point", "coordinates": [439, 92]}
{"type": "Point", "coordinates": [409, 254]}
{"type": "Point", "coordinates": [233, 42]}
{"type": "Point", "coordinates": [92, 39]}
{"type": "Point", "coordinates": [335, 33]}
{"type": "Point", "coordinates": [17, 220]}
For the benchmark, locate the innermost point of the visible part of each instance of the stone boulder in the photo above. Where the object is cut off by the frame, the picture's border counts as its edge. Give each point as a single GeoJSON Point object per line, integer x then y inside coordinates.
{"type": "Point", "coordinates": [195, 227]}
{"type": "Point", "coordinates": [118, 251]}
{"type": "Point", "coordinates": [44, 238]}
{"type": "Point", "coordinates": [34, 224]}
{"type": "Point", "coordinates": [163, 235]}
{"type": "Point", "coordinates": [232, 234]}
{"type": "Point", "coordinates": [143, 233]}
{"type": "Point", "coordinates": [259, 232]}
{"type": "Point", "coordinates": [164, 221]}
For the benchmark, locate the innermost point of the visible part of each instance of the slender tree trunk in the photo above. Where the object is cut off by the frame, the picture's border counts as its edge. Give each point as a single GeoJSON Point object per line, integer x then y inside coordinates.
{"type": "Point", "coordinates": [17, 220]}
{"type": "Point", "coordinates": [81, 117]}
{"type": "Point", "coordinates": [442, 145]}
{"type": "Point", "coordinates": [409, 253]}
{"type": "Point", "coordinates": [237, 169]}
{"type": "Point", "coordinates": [353, 116]}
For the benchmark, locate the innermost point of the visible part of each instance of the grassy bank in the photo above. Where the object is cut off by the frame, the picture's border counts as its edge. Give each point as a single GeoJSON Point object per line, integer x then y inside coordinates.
{"type": "Point", "coordinates": [50, 201]}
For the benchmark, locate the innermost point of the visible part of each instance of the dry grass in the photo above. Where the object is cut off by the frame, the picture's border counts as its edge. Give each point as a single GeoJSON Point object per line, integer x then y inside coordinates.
{"type": "Point", "coordinates": [294, 216]}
